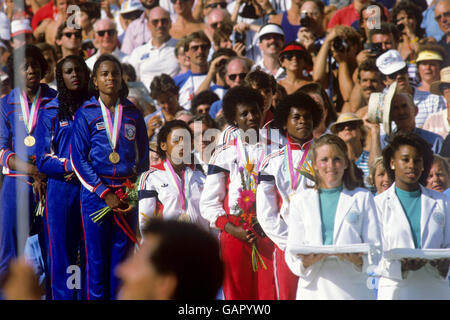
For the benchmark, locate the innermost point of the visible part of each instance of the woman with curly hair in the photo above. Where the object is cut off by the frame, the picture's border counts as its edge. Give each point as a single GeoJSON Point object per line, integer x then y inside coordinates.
{"type": "Point", "coordinates": [412, 216]}
{"type": "Point", "coordinates": [62, 224]}
{"type": "Point", "coordinates": [18, 119]}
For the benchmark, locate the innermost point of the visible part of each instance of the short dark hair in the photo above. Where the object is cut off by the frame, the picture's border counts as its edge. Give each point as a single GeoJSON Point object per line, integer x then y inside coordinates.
{"type": "Point", "coordinates": [189, 253]}
{"type": "Point", "coordinates": [92, 9]}
{"type": "Point", "coordinates": [194, 36]}
{"type": "Point", "coordinates": [261, 80]}
{"type": "Point", "coordinates": [205, 119]}
{"type": "Point", "coordinates": [300, 101]}
{"type": "Point", "coordinates": [162, 84]}
{"type": "Point", "coordinates": [369, 65]}
{"type": "Point", "coordinates": [204, 97]}
{"type": "Point", "coordinates": [240, 95]}
{"type": "Point", "coordinates": [387, 29]}
{"type": "Point", "coordinates": [123, 92]}
{"type": "Point", "coordinates": [25, 51]}
{"type": "Point", "coordinates": [129, 70]}
{"type": "Point", "coordinates": [165, 131]}
{"type": "Point", "coordinates": [402, 138]}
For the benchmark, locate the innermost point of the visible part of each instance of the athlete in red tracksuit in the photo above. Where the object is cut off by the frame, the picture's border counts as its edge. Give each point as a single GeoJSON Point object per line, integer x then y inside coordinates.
{"type": "Point", "coordinates": [279, 179]}
{"type": "Point", "coordinates": [232, 169]}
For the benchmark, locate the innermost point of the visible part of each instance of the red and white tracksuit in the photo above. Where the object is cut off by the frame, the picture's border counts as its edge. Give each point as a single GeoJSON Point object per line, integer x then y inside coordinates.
{"type": "Point", "coordinates": [272, 207]}
{"type": "Point", "coordinates": [218, 206]}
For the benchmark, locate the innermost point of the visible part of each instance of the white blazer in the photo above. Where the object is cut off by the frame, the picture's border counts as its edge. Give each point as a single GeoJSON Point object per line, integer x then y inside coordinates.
{"type": "Point", "coordinates": [396, 233]}
{"type": "Point", "coordinates": [355, 222]}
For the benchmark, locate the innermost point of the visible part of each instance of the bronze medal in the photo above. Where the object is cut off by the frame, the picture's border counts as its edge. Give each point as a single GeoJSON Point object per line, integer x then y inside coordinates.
{"type": "Point", "coordinates": [114, 157]}
{"type": "Point", "coordinates": [29, 141]}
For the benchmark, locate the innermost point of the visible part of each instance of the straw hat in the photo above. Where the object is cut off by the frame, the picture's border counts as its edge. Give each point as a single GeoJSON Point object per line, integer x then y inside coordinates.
{"type": "Point", "coordinates": [445, 78]}
{"type": "Point", "coordinates": [345, 118]}
{"type": "Point", "coordinates": [380, 104]}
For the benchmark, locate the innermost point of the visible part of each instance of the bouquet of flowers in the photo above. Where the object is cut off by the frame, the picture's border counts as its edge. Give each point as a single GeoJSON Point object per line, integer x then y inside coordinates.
{"type": "Point", "coordinates": [246, 206]}
{"type": "Point", "coordinates": [127, 193]}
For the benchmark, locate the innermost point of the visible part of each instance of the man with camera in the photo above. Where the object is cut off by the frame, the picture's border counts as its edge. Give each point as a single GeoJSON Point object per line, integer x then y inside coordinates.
{"type": "Point", "coordinates": [344, 43]}
{"type": "Point", "coordinates": [311, 33]}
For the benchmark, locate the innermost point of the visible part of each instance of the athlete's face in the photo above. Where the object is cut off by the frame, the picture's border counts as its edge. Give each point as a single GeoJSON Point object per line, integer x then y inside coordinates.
{"type": "Point", "coordinates": [73, 77]}
{"type": "Point", "coordinates": [108, 78]}
{"type": "Point", "coordinates": [30, 73]}
{"type": "Point", "coordinates": [174, 144]}
{"type": "Point", "coordinates": [299, 125]}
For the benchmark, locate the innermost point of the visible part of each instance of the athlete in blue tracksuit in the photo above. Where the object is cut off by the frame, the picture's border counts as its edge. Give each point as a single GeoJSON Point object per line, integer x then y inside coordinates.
{"type": "Point", "coordinates": [62, 220]}
{"type": "Point", "coordinates": [17, 150]}
{"type": "Point", "coordinates": [107, 243]}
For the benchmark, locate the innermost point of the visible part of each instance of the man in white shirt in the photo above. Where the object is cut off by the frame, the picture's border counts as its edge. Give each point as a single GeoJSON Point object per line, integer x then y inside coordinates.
{"type": "Point", "coordinates": [106, 38]}
{"type": "Point", "coordinates": [158, 55]}
{"type": "Point", "coordinates": [271, 41]}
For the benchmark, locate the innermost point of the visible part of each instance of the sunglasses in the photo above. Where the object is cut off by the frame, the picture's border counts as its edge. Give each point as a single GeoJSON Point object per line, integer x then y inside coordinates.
{"type": "Point", "coordinates": [241, 76]}
{"type": "Point", "coordinates": [394, 75]}
{"type": "Point", "coordinates": [351, 125]}
{"type": "Point", "coordinates": [69, 35]}
{"type": "Point", "coordinates": [110, 32]}
{"type": "Point", "coordinates": [445, 15]}
{"type": "Point", "coordinates": [194, 48]}
{"type": "Point", "coordinates": [222, 5]}
{"type": "Point", "coordinates": [290, 55]}
{"type": "Point", "coordinates": [163, 21]}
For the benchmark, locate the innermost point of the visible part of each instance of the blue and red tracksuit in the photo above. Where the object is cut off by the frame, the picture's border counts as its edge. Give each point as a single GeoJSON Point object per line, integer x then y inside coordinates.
{"type": "Point", "coordinates": [106, 243]}
{"type": "Point", "coordinates": [16, 195]}
{"type": "Point", "coordinates": [62, 220]}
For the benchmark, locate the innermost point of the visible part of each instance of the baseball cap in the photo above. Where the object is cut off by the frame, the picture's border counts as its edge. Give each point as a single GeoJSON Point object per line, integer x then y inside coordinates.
{"type": "Point", "coordinates": [390, 62]}
{"type": "Point", "coordinates": [20, 27]}
{"type": "Point", "coordinates": [270, 28]}
{"type": "Point", "coordinates": [131, 6]}
{"type": "Point", "coordinates": [428, 55]}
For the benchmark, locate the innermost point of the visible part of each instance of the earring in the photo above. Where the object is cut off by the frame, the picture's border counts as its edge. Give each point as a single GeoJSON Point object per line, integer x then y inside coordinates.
{"type": "Point", "coordinates": [393, 167]}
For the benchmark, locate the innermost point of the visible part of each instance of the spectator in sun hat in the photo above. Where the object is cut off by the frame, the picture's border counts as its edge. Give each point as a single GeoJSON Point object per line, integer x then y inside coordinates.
{"type": "Point", "coordinates": [394, 68]}
{"type": "Point", "coordinates": [296, 61]}
{"type": "Point", "coordinates": [439, 122]}
{"type": "Point", "coordinates": [21, 33]}
{"type": "Point", "coordinates": [271, 41]}
{"type": "Point", "coordinates": [130, 10]}
{"type": "Point", "coordinates": [430, 59]}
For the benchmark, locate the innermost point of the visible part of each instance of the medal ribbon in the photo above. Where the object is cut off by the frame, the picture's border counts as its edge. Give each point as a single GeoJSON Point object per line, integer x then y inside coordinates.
{"type": "Point", "coordinates": [294, 176]}
{"type": "Point", "coordinates": [30, 116]}
{"type": "Point", "coordinates": [112, 130]}
{"type": "Point", "coordinates": [183, 187]}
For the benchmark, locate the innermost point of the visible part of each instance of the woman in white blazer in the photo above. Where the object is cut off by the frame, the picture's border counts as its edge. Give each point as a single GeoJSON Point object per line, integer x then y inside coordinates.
{"type": "Point", "coordinates": [336, 212]}
{"type": "Point", "coordinates": [412, 216]}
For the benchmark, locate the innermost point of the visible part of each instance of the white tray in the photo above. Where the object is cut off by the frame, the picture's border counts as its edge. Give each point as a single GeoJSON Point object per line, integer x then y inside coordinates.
{"type": "Point", "coordinates": [333, 249]}
{"type": "Point", "coordinates": [430, 254]}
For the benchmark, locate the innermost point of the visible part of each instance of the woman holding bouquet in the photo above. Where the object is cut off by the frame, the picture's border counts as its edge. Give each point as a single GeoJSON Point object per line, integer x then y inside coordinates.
{"type": "Point", "coordinates": [171, 189]}
{"type": "Point", "coordinates": [228, 201]}
{"type": "Point", "coordinates": [62, 221]}
{"type": "Point", "coordinates": [412, 216]}
{"type": "Point", "coordinates": [335, 212]}
{"type": "Point", "coordinates": [18, 119]}
{"type": "Point", "coordinates": [109, 147]}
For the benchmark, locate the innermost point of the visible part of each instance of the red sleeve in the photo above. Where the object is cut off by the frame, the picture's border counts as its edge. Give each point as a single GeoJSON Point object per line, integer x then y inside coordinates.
{"type": "Point", "coordinates": [44, 12]}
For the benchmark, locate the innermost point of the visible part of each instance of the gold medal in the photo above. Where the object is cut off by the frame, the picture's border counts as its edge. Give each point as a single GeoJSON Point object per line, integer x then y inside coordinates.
{"type": "Point", "coordinates": [29, 141]}
{"type": "Point", "coordinates": [114, 157]}
{"type": "Point", "coordinates": [184, 217]}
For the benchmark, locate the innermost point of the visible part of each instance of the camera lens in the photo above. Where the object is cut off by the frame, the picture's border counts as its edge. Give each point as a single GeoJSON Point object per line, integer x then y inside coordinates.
{"type": "Point", "coordinates": [400, 27]}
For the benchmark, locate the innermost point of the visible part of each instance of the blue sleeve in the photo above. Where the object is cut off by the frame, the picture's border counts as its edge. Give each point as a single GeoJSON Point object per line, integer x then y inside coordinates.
{"type": "Point", "coordinates": [5, 138]}
{"type": "Point", "coordinates": [215, 108]}
{"type": "Point", "coordinates": [79, 151]}
{"type": "Point", "coordinates": [46, 160]}
{"type": "Point", "coordinates": [143, 145]}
